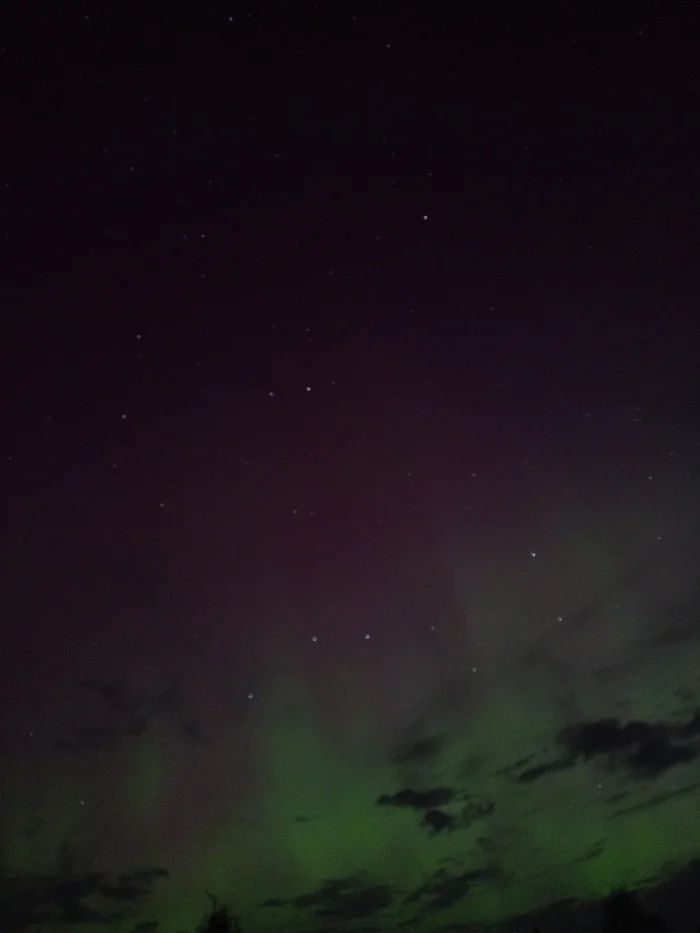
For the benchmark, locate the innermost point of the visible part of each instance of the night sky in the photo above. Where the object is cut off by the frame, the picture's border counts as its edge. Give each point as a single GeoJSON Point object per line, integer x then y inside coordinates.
{"type": "Point", "coordinates": [350, 463]}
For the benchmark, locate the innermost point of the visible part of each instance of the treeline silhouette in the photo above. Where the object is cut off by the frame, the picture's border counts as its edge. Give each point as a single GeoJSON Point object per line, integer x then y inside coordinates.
{"type": "Point", "coordinates": [623, 912]}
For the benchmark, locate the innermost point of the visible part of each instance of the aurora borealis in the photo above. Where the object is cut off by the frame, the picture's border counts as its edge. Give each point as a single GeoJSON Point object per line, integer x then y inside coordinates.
{"type": "Point", "coordinates": [351, 542]}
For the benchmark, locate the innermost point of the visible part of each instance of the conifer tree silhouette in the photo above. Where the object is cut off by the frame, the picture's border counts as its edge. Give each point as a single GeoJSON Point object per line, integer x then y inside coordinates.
{"type": "Point", "coordinates": [219, 920]}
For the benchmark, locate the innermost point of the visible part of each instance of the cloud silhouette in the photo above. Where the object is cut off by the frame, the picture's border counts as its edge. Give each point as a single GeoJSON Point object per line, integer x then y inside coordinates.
{"type": "Point", "coordinates": [438, 821]}
{"type": "Point", "coordinates": [39, 900]}
{"type": "Point", "coordinates": [642, 749]}
{"type": "Point", "coordinates": [420, 751]}
{"type": "Point", "coordinates": [431, 803]}
{"type": "Point", "coordinates": [443, 890]}
{"type": "Point", "coordinates": [342, 899]}
{"type": "Point", "coordinates": [122, 715]}
{"type": "Point", "coordinates": [418, 799]}
{"type": "Point", "coordinates": [474, 810]}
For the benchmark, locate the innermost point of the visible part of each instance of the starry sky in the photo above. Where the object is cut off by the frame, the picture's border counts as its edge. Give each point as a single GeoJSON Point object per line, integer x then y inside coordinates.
{"type": "Point", "coordinates": [350, 466]}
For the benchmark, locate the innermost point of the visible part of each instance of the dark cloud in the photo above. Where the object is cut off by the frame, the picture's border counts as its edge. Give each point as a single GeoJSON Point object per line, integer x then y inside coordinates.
{"type": "Point", "coordinates": [75, 912]}
{"type": "Point", "coordinates": [430, 803]}
{"type": "Point", "coordinates": [127, 715]}
{"type": "Point", "coordinates": [418, 799]}
{"type": "Point", "coordinates": [420, 751]}
{"type": "Point", "coordinates": [134, 887]}
{"type": "Point", "coordinates": [550, 767]}
{"type": "Point", "coordinates": [443, 889]}
{"type": "Point", "coordinates": [438, 821]}
{"type": "Point", "coordinates": [644, 749]}
{"type": "Point", "coordinates": [658, 755]}
{"type": "Point", "coordinates": [122, 892]}
{"type": "Point", "coordinates": [475, 810]}
{"type": "Point", "coordinates": [604, 737]}
{"type": "Point", "coordinates": [647, 746]}
{"type": "Point", "coordinates": [510, 770]}
{"type": "Point", "coordinates": [75, 888]}
{"type": "Point", "coordinates": [37, 901]}
{"type": "Point", "coordinates": [650, 802]}
{"type": "Point", "coordinates": [593, 852]}
{"type": "Point", "coordinates": [341, 899]}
